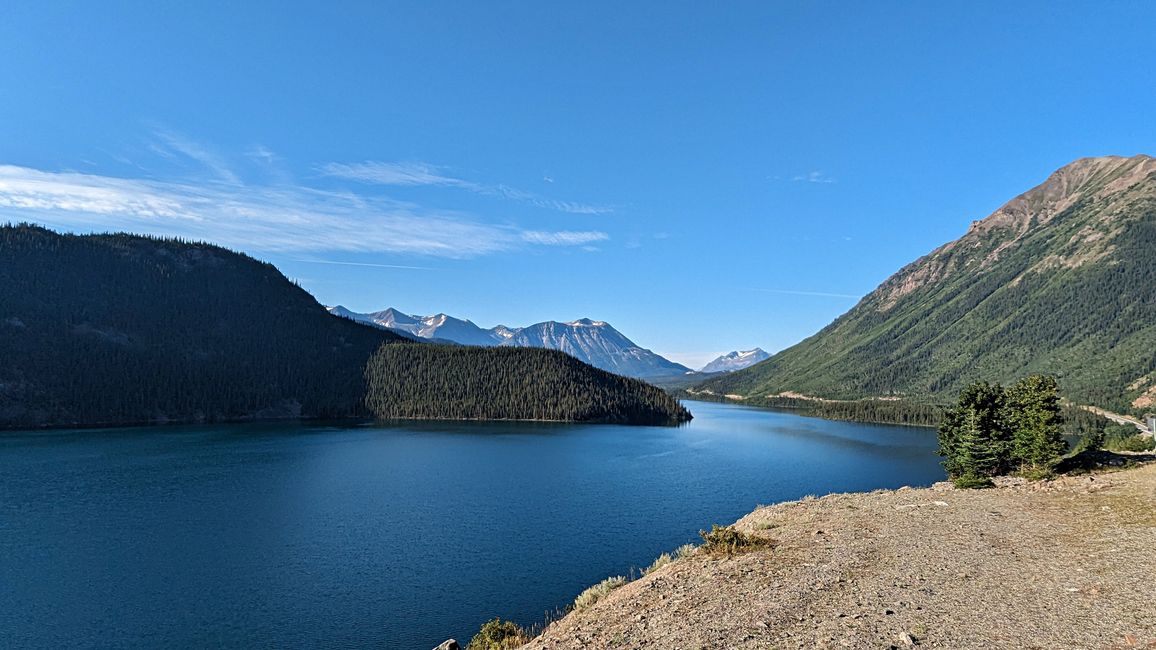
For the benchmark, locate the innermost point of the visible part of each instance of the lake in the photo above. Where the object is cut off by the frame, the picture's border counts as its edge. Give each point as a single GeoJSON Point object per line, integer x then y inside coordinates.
{"type": "Point", "coordinates": [353, 536]}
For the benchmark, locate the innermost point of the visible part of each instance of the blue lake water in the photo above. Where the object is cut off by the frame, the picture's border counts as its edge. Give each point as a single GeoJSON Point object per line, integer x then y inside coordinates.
{"type": "Point", "coordinates": [294, 535]}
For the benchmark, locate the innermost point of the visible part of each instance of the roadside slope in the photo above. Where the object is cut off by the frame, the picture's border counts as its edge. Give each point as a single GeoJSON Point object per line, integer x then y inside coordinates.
{"type": "Point", "coordinates": [1067, 563]}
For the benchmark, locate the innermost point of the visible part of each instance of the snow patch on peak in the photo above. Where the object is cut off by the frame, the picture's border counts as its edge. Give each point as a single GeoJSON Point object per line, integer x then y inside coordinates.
{"type": "Point", "coordinates": [736, 360]}
{"type": "Point", "coordinates": [586, 322]}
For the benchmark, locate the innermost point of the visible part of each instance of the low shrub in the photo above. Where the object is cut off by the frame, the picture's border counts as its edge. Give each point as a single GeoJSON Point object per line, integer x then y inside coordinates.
{"type": "Point", "coordinates": [597, 592]}
{"type": "Point", "coordinates": [1037, 473]}
{"type": "Point", "coordinates": [971, 482]}
{"type": "Point", "coordinates": [499, 635]}
{"type": "Point", "coordinates": [686, 550]}
{"type": "Point", "coordinates": [1128, 442]}
{"type": "Point", "coordinates": [659, 562]}
{"type": "Point", "coordinates": [1093, 441]}
{"type": "Point", "coordinates": [728, 540]}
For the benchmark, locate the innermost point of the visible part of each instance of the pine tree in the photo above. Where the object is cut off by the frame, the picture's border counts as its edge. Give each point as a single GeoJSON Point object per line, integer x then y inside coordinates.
{"type": "Point", "coordinates": [976, 454]}
{"type": "Point", "coordinates": [1033, 409]}
{"type": "Point", "coordinates": [979, 418]}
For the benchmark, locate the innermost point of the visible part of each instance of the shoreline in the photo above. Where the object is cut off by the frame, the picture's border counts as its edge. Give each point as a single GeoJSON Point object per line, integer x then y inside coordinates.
{"type": "Point", "coordinates": [904, 567]}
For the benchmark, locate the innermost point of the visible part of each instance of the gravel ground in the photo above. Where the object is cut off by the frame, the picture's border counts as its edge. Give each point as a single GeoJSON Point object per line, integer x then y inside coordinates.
{"type": "Point", "coordinates": [1069, 563]}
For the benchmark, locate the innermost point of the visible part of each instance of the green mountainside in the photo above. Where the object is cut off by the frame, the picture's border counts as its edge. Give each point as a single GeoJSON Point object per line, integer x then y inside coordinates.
{"type": "Point", "coordinates": [499, 383]}
{"type": "Point", "coordinates": [1061, 280]}
{"type": "Point", "coordinates": [121, 329]}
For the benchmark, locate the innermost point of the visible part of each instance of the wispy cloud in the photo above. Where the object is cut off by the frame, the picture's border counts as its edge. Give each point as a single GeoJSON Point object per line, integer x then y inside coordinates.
{"type": "Point", "coordinates": [369, 264]}
{"type": "Point", "coordinates": [563, 237]}
{"type": "Point", "coordinates": [417, 173]}
{"type": "Point", "coordinates": [795, 292]}
{"type": "Point", "coordinates": [195, 151]}
{"type": "Point", "coordinates": [263, 218]}
{"type": "Point", "coordinates": [813, 177]}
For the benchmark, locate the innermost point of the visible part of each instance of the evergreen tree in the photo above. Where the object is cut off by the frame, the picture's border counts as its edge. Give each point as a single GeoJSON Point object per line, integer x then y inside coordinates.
{"type": "Point", "coordinates": [980, 417]}
{"type": "Point", "coordinates": [976, 457]}
{"type": "Point", "coordinates": [1033, 409]}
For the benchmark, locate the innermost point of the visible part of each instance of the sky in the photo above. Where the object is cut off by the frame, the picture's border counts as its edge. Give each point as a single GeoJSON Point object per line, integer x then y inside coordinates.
{"type": "Point", "coordinates": [705, 178]}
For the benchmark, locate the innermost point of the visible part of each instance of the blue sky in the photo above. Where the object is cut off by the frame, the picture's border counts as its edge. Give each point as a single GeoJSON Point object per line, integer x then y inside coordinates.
{"type": "Point", "coordinates": [705, 179]}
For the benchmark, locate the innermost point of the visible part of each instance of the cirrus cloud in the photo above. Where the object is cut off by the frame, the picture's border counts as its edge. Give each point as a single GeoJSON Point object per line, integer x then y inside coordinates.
{"type": "Point", "coordinates": [264, 218]}
{"type": "Point", "coordinates": [418, 173]}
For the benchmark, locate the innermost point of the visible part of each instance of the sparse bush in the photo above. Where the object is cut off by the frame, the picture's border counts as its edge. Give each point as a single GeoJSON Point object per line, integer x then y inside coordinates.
{"type": "Point", "coordinates": [1037, 473]}
{"type": "Point", "coordinates": [971, 482]}
{"type": "Point", "coordinates": [686, 550]}
{"type": "Point", "coordinates": [499, 635]}
{"type": "Point", "coordinates": [1090, 442]}
{"type": "Point", "coordinates": [598, 592]}
{"type": "Point", "coordinates": [728, 540]}
{"type": "Point", "coordinates": [659, 562]}
{"type": "Point", "coordinates": [1128, 442]}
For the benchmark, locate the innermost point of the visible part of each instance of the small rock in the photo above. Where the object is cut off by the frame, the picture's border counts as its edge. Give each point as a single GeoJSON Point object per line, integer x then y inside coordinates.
{"type": "Point", "coordinates": [449, 644]}
{"type": "Point", "coordinates": [888, 612]}
{"type": "Point", "coordinates": [906, 640]}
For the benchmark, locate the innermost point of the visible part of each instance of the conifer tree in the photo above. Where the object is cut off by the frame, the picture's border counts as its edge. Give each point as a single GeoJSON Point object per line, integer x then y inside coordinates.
{"type": "Point", "coordinates": [977, 457]}
{"type": "Point", "coordinates": [1033, 409]}
{"type": "Point", "coordinates": [979, 418]}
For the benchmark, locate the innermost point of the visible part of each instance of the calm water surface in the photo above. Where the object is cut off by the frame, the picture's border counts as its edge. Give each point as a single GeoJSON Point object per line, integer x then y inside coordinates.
{"type": "Point", "coordinates": [394, 537]}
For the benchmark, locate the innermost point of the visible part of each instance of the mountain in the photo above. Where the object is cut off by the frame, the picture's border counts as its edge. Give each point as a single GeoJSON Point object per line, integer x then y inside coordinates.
{"type": "Point", "coordinates": [121, 329]}
{"type": "Point", "coordinates": [598, 344]}
{"type": "Point", "coordinates": [591, 341]}
{"type": "Point", "coordinates": [736, 360]}
{"type": "Point", "coordinates": [439, 327]}
{"type": "Point", "coordinates": [1060, 280]}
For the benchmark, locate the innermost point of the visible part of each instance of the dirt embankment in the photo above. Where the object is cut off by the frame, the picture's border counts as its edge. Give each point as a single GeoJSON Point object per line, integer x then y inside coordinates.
{"type": "Point", "coordinates": [1069, 563]}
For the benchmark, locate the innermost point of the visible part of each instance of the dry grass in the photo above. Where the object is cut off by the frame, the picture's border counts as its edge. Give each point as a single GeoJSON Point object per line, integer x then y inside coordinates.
{"type": "Point", "coordinates": [597, 592]}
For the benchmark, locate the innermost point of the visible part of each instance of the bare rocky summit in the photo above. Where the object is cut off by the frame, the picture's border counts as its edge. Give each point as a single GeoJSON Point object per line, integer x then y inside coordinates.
{"type": "Point", "coordinates": [1067, 563]}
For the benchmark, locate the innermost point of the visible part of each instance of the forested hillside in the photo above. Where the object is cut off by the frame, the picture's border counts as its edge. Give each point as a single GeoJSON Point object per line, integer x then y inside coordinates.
{"type": "Point", "coordinates": [1061, 281]}
{"type": "Point", "coordinates": [112, 329]}
{"type": "Point", "coordinates": [122, 329]}
{"type": "Point", "coordinates": [497, 383]}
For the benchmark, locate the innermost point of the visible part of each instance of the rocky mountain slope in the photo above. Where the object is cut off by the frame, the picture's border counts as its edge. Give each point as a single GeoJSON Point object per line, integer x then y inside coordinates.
{"type": "Point", "coordinates": [594, 342]}
{"type": "Point", "coordinates": [1059, 564]}
{"type": "Point", "coordinates": [736, 360]}
{"type": "Point", "coordinates": [1060, 280]}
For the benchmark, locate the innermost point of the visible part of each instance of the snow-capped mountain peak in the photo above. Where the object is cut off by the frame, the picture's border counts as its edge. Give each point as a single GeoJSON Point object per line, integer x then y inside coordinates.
{"type": "Point", "coordinates": [736, 360]}
{"type": "Point", "coordinates": [594, 341]}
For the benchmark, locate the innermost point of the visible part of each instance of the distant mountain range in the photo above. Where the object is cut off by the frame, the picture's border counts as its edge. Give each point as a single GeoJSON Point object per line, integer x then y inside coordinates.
{"type": "Point", "coordinates": [594, 342]}
{"type": "Point", "coordinates": [1060, 280]}
{"type": "Point", "coordinates": [736, 361]}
